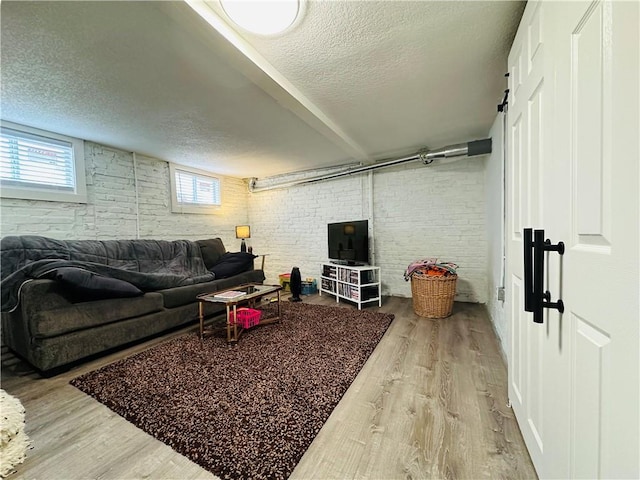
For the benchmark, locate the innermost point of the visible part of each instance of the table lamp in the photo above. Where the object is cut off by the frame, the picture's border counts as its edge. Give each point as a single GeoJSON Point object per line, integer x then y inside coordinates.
{"type": "Point", "coordinates": [243, 231]}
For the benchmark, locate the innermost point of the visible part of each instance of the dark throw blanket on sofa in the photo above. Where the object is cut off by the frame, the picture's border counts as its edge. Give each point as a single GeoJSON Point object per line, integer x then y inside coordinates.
{"type": "Point", "coordinates": [148, 264]}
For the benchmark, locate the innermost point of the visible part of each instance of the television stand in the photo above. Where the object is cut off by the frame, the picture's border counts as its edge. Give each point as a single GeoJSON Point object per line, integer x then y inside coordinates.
{"type": "Point", "coordinates": [356, 283]}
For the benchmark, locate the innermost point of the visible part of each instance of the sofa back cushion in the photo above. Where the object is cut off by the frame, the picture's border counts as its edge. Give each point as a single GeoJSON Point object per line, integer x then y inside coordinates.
{"type": "Point", "coordinates": [212, 250]}
{"type": "Point", "coordinates": [181, 257]}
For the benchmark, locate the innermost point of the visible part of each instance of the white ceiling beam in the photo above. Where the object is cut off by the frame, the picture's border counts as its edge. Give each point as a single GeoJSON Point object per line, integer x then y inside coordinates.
{"type": "Point", "coordinates": [262, 73]}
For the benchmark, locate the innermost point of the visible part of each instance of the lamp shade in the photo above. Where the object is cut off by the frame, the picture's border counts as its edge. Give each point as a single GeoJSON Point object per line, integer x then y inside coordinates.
{"type": "Point", "coordinates": [243, 231]}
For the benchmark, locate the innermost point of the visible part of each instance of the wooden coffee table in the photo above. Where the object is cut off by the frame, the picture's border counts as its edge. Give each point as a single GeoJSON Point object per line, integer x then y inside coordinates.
{"type": "Point", "coordinates": [247, 294]}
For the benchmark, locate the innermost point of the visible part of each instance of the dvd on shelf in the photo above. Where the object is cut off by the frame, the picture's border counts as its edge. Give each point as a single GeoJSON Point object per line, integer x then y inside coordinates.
{"type": "Point", "coordinates": [359, 284]}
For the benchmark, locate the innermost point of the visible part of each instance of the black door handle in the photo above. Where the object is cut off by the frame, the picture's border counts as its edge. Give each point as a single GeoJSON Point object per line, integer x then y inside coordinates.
{"type": "Point", "coordinates": [528, 270]}
{"type": "Point", "coordinates": [535, 299]}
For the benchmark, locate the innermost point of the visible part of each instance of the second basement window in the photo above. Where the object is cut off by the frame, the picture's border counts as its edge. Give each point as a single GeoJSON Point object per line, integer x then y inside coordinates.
{"type": "Point", "coordinates": [193, 191]}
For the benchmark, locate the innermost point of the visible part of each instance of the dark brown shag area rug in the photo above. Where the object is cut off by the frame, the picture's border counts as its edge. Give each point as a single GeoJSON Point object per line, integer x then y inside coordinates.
{"type": "Point", "coordinates": [248, 411]}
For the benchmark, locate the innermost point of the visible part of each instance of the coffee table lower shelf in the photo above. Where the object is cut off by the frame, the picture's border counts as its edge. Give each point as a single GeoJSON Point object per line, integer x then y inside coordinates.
{"type": "Point", "coordinates": [254, 293]}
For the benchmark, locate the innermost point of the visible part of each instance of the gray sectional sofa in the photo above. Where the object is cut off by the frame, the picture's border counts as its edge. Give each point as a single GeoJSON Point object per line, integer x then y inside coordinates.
{"type": "Point", "coordinates": [63, 301]}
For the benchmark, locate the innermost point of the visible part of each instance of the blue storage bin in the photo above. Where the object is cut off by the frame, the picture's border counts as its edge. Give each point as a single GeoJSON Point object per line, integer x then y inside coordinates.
{"type": "Point", "coordinates": [309, 288]}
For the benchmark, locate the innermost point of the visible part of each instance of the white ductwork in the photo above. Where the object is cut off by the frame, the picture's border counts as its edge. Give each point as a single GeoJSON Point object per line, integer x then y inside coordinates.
{"type": "Point", "coordinates": [469, 149]}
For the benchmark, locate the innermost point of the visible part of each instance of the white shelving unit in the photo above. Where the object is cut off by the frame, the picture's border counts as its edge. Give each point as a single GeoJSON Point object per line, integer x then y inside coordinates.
{"type": "Point", "coordinates": [358, 284]}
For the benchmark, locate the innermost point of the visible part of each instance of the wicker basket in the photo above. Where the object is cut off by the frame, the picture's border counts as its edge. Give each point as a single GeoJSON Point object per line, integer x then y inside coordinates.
{"type": "Point", "coordinates": [433, 296]}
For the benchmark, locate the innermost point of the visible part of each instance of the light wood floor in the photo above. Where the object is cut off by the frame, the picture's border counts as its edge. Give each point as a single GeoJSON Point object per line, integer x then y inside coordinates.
{"type": "Point", "coordinates": [429, 403]}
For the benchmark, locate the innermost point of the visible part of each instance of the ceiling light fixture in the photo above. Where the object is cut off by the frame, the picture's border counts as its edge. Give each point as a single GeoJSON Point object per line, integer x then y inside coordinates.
{"type": "Point", "coordinates": [264, 17]}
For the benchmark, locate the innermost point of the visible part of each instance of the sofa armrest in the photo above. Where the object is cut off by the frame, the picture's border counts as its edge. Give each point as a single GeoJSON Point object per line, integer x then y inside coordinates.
{"type": "Point", "coordinates": [40, 295]}
{"type": "Point", "coordinates": [35, 296]}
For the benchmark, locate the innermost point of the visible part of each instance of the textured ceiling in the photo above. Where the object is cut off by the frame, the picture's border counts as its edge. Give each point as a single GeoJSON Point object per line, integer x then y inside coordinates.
{"type": "Point", "coordinates": [350, 81]}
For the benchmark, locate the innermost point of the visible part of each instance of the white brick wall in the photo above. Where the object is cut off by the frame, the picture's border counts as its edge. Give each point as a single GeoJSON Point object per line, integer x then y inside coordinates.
{"type": "Point", "coordinates": [110, 212]}
{"type": "Point", "coordinates": [157, 220]}
{"type": "Point", "coordinates": [111, 191]}
{"type": "Point", "coordinates": [418, 211]}
{"type": "Point", "coordinates": [291, 225]}
{"type": "Point", "coordinates": [432, 211]}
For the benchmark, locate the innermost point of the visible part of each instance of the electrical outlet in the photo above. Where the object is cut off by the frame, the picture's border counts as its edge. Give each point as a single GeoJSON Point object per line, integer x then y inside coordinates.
{"type": "Point", "coordinates": [501, 294]}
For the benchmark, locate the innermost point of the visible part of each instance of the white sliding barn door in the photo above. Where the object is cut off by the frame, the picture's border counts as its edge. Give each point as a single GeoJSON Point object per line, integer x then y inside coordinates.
{"type": "Point", "coordinates": [536, 366]}
{"type": "Point", "coordinates": [574, 381]}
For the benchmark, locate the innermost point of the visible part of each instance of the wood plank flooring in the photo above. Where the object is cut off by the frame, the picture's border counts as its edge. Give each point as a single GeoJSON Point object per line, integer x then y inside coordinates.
{"type": "Point", "coordinates": [429, 403]}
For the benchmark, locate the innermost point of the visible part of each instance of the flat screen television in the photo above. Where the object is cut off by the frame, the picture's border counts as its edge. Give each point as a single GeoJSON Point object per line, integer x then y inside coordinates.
{"type": "Point", "coordinates": [349, 242]}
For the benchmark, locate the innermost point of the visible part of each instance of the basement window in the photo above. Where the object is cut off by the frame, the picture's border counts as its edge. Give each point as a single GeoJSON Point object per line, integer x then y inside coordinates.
{"type": "Point", "coordinates": [194, 191]}
{"type": "Point", "coordinates": [39, 165]}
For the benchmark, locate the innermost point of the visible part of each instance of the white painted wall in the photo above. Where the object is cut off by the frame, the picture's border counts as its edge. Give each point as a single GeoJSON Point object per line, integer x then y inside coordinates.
{"type": "Point", "coordinates": [494, 228]}
{"type": "Point", "coordinates": [418, 211]}
{"type": "Point", "coordinates": [290, 225]}
{"type": "Point", "coordinates": [111, 212]}
{"type": "Point", "coordinates": [432, 211]}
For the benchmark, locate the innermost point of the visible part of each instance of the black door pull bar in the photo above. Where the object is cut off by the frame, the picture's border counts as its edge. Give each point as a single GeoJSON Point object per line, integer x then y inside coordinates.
{"type": "Point", "coordinates": [535, 299]}
{"type": "Point", "coordinates": [528, 270]}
